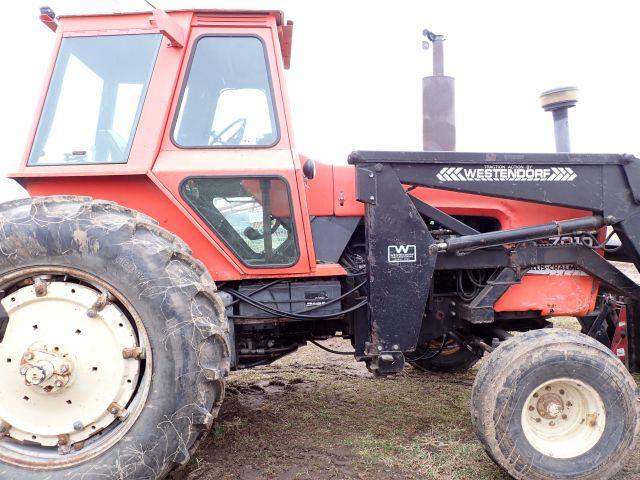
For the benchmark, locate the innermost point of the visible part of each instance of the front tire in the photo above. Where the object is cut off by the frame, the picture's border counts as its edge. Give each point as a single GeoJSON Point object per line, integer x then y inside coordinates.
{"type": "Point", "coordinates": [555, 405]}
{"type": "Point", "coordinates": [59, 254]}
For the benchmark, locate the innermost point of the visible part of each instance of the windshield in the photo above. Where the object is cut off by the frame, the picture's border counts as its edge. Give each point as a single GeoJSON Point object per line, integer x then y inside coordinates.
{"type": "Point", "coordinates": [95, 99]}
{"type": "Point", "coordinates": [227, 100]}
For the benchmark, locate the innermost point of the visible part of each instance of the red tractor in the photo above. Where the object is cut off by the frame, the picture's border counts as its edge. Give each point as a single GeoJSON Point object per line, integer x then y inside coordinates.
{"type": "Point", "coordinates": [174, 234]}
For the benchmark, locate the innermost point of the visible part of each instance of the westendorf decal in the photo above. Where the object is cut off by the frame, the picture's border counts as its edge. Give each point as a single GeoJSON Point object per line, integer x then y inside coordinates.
{"type": "Point", "coordinates": [506, 173]}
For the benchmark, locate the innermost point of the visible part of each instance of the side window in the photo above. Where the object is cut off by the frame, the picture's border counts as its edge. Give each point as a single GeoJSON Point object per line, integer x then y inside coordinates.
{"type": "Point", "coordinates": [227, 99]}
{"type": "Point", "coordinates": [252, 215]}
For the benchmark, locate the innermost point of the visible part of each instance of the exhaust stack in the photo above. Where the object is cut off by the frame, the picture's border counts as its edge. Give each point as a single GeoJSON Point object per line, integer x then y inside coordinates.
{"type": "Point", "coordinates": [558, 101]}
{"type": "Point", "coordinates": [438, 101]}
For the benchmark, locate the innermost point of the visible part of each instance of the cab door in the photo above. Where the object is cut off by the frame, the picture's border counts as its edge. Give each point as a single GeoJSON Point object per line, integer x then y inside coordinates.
{"type": "Point", "coordinates": [226, 157]}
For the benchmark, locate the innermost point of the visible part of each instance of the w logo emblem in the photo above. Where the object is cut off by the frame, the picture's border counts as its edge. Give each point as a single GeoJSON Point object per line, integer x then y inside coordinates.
{"type": "Point", "coordinates": [401, 253]}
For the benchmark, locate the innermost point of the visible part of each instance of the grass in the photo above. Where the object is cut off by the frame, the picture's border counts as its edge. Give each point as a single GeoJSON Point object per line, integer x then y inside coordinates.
{"type": "Point", "coordinates": [317, 416]}
{"type": "Point", "coordinates": [312, 416]}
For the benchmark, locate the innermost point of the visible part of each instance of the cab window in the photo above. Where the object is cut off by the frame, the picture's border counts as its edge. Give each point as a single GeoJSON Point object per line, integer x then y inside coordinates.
{"type": "Point", "coordinates": [252, 215]}
{"type": "Point", "coordinates": [95, 99]}
{"type": "Point", "coordinates": [227, 99]}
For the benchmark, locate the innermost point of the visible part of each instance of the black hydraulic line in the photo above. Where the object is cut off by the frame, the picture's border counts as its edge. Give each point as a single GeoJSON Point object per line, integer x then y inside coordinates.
{"type": "Point", "coordinates": [433, 355]}
{"type": "Point", "coordinates": [296, 316]}
{"type": "Point", "coordinates": [330, 302]}
{"type": "Point", "coordinates": [334, 300]}
{"type": "Point", "coordinates": [335, 352]}
{"type": "Point", "coordinates": [253, 292]}
{"type": "Point", "coordinates": [538, 232]}
{"type": "Point", "coordinates": [596, 245]}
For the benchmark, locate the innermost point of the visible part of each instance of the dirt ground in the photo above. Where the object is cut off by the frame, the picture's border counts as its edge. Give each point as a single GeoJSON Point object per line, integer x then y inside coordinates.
{"type": "Point", "coordinates": [314, 415]}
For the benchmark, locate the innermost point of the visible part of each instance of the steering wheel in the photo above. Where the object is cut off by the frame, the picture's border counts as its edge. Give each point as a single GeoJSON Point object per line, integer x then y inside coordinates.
{"type": "Point", "coordinates": [253, 234]}
{"type": "Point", "coordinates": [234, 139]}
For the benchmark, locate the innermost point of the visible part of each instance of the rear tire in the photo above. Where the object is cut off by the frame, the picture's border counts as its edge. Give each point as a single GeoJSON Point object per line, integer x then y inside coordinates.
{"type": "Point", "coordinates": [555, 405]}
{"type": "Point", "coordinates": [146, 273]}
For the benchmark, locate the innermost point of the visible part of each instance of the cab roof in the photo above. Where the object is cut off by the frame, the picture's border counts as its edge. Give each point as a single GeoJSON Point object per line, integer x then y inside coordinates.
{"type": "Point", "coordinates": [278, 14]}
{"type": "Point", "coordinates": [96, 19]}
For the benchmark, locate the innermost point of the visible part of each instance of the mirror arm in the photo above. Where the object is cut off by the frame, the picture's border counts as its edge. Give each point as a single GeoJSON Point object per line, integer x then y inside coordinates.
{"type": "Point", "coordinates": [168, 27]}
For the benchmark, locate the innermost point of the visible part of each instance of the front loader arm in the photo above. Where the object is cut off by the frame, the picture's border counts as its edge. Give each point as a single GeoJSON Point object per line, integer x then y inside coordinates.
{"type": "Point", "coordinates": [403, 255]}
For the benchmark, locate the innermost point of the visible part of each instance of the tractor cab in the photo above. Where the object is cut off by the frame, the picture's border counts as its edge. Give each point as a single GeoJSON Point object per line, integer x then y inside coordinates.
{"type": "Point", "coordinates": [181, 111]}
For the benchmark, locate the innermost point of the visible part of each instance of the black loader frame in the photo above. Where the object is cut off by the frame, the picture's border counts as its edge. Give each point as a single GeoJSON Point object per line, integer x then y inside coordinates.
{"type": "Point", "coordinates": [403, 252]}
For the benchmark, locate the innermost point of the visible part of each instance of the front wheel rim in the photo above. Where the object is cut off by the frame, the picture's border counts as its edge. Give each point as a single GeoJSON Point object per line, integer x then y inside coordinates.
{"type": "Point", "coordinates": [92, 346]}
{"type": "Point", "coordinates": [564, 418]}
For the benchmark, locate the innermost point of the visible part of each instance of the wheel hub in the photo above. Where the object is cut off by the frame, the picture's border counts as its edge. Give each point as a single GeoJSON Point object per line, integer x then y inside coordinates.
{"type": "Point", "coordinates": [563, 418]}
{"type": "Point", "coordinates": [65, 365]}
{"type": "Point", "coordinates": [46, 369]}
{"type": "Point", "coordinates": [550, 405]}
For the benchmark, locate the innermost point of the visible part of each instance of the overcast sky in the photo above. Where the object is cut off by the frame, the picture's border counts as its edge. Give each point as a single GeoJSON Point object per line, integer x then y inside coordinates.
{"type": "Point", "coordinates": [355, 78]}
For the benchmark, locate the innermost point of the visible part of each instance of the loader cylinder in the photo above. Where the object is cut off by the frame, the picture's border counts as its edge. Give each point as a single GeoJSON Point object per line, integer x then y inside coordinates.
{"type": "Point", "coordinates": [538, 232]}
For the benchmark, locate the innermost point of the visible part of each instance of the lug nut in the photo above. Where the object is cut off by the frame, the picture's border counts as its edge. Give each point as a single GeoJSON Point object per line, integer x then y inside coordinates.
{"type": "Point", "coordinates": [4, 428]}
{"type": "Point", "coordinates": [58, 384]}
{"type": "Point", "coordinates": [91, 313]}
{"type": "Point", "coordinates": [64, 368]}
{"type": "Point", "coordinates": [100, 302]}
{"type": "Point", "coordinates": [28, 356]}
{"type": "Point", "coordinates": [77, 426]}
{"type": "Point", "coordinates": [117, 411]}
{"type": "Point", "coordinates": [40, 288]}
{"type": "Point", "coordinates": [135, 353]}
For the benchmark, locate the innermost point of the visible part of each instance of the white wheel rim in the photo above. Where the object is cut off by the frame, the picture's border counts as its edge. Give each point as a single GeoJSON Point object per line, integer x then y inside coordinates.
{"type": "Point", "coordinates": [563, 418]}
{"type": "Point", "coordinates": [117, 339]}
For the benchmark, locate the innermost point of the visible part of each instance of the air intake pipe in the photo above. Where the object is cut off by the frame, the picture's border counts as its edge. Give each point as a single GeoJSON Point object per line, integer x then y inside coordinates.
{"type": "Point", "coordinates": [558, 101]}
